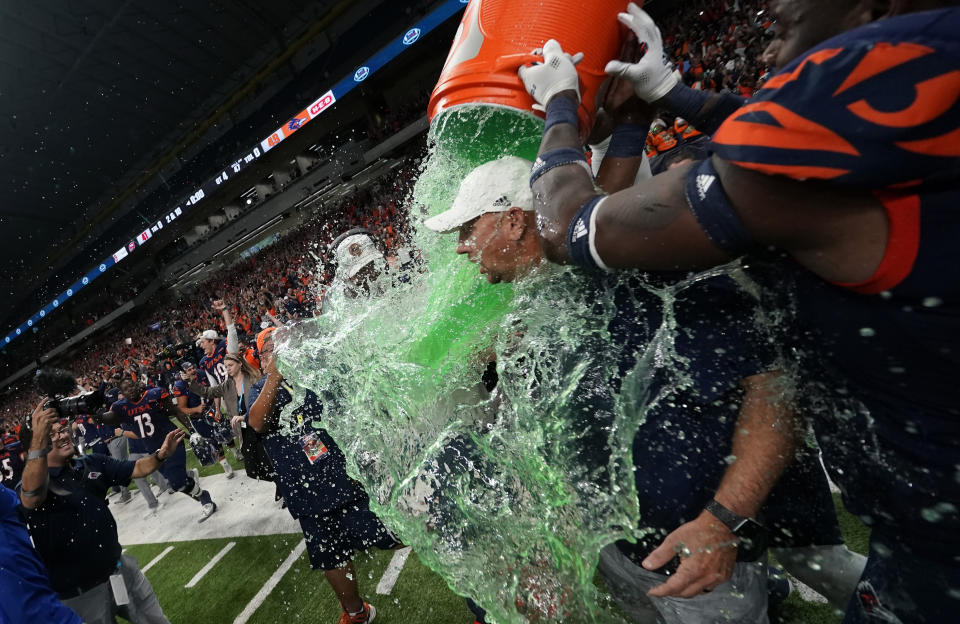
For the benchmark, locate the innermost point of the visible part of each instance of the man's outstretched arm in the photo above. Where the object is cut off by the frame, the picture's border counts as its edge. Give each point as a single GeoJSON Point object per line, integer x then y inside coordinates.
{"type": "Point", "coordinates": [839, 236]}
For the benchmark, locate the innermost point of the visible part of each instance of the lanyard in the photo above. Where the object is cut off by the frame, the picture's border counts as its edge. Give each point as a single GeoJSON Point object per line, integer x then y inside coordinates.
{"type": "Point", "coordinates": [241, 407]}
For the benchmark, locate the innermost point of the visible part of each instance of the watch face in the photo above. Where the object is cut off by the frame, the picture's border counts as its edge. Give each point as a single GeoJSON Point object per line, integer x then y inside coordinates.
{"type": "Point", "coordinates": [753, 538]}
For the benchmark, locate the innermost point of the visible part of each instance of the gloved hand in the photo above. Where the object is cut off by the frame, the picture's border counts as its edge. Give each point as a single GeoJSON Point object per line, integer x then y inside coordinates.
{"type": "Point", "coordinates": [195, 439]}
{"type": "Point", "coordinates": [557, 73]}
{"type": "Point", "coordinates": [651, 76]}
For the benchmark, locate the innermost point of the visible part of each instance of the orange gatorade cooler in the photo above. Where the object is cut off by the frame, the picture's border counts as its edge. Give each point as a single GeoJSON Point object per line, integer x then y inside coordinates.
{"type": "Point", "coordinates": [497, 36]}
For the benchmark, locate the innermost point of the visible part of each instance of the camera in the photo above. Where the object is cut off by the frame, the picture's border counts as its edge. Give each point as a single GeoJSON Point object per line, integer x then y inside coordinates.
{"type": "Point", "coordinates": [87, 403]}
{"type": "Point", "coordinates": [57, 383]}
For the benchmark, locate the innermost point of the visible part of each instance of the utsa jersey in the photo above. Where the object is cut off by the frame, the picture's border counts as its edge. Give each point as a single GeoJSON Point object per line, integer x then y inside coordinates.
{"type": "Point", "coordinates": [94, 436]}
{"type": "Point", "coordinates": [207, 424]}
{"type": "Point", "coordinates": [212, 370]}
{"type": "Point", "coordinates": [180, 389]}
{"type": "Point", "coordinates": [11, 460]}
{"type": "Point", "coordinates": [877, 110]}
{"type": "Point", "coordinates": [147, 418]}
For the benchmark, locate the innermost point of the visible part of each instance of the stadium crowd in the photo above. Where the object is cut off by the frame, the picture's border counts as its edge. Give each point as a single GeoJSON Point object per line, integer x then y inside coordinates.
{"type": "Point", "coordinates": [718, 54]}
{"type": "Point", "coordinates": [284, 281]}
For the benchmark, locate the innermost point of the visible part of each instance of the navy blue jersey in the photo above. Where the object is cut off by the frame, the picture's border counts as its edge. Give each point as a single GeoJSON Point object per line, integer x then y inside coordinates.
{"type": "Point", "coordinates": [311, 469]}
{"type": "Point", "coordinates": [73, 529]}
{"type": "Point", "coordinates": [212, 371]}
{"type": "Point", "coordinates": [94, 436]}
{"type": "Point", "coordinates": [25, 594]}
{"type": "Point", "coordinates": [877, 110]}
{"type": "Point", "coordinates": [147, 418]}
{"type": "Point", "coordinates": [111, 395]}
{"type": "Point", "coordinates": [11, 460]}
{"type": "Point", "coordinates": [180, 389]}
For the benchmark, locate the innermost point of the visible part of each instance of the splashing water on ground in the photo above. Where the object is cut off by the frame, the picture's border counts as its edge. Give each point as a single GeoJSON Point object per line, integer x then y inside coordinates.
{"type": "Point", "coordinates": [509, 496]}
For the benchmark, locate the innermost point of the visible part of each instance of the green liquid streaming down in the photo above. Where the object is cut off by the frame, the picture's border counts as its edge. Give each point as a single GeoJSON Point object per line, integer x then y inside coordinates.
{"type": "Point", "coordinates": [511, 497]}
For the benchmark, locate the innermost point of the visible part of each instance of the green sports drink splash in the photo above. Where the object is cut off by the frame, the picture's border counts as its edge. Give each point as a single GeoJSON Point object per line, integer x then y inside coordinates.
{"type": "Point", "coordinates": [508, 495]}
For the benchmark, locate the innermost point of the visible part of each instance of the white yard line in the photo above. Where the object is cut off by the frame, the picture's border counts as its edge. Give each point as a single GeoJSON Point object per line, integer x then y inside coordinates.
{"type": "Point", "coordinates": [156, 559]}
{"type": "Point", "coordinates": [389, 578]}
{"type": "Point", "coordinates": [216, 559]}
{"type": "Point", "coordinates": [271, 583]}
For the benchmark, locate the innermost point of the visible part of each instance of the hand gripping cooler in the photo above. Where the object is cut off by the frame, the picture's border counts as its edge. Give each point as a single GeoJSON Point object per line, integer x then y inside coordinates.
{"type": "Point", "coordinates": [496, 37]}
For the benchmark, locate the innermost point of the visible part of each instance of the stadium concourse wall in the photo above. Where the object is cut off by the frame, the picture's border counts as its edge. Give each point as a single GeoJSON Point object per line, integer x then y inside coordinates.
{"type": "Point", "coordinates": [306, 193]}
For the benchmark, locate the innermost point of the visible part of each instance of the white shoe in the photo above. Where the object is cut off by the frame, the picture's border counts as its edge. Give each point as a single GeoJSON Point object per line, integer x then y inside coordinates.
{"type": "Point", "coordinates": [208, 510]}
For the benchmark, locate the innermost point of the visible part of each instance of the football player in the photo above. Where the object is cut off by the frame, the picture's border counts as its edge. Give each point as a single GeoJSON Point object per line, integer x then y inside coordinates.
{"type": "Point", "coordinates": [149, 418]}
{"type": "Point", "coordinates": [847, 160]}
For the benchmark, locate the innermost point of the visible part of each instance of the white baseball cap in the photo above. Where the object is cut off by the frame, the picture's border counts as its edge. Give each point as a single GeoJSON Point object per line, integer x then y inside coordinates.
{"type": "Point", "coordinates": [495, 186]}
{"type": "Point", "coordinates": [209, 334]}
{"type": "Point", "coordinates": [355, 251]}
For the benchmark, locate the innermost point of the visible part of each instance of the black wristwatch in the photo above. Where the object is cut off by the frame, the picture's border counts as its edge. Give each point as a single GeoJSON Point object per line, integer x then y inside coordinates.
{"type": "Point", "coordinates": [156, 454]}
{"type": "Point", "coordinates": [753, 535]}
{"type": "Point", "coordinates": [724, 515]}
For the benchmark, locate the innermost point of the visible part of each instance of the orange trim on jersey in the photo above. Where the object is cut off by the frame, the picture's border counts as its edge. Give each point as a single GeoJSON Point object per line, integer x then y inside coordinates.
{"type": "Point", "coordinates": [933, 98]}
{"type": "Point", "coordinates": [903, 242]}
{"type": "Point", "coordinates": [944, 145]}
{"type": "Point", "coordinates": [794, 132]}
{"type": "Point", "coordinates": [882, 57]}
{"type": "Point", "coordinates": [797, 172]}
{"type": "Point", "coordinates": [817, 58]}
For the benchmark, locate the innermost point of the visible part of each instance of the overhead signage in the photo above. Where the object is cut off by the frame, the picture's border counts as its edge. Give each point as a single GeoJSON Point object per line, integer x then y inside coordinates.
{"type": "Point", "coordinates": [322, 103]}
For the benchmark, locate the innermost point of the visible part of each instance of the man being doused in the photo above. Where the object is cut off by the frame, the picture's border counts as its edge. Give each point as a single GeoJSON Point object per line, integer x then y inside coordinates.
{"type": "Point", "coordinates": [718, 424]}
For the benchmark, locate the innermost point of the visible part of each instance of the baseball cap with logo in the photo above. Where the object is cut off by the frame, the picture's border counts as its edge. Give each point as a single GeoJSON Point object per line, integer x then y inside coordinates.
{"type": "Point", "coordinates": [209, 334]}
{"type": "Point", "coordinates": [495, 186]}
{"type": "Point", "coordinates": [354, 250]}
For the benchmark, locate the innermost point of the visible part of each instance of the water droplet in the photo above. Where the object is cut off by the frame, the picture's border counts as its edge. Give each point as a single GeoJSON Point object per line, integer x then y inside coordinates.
{"type": "Point", "coordinates": [932, 302]}
{"type": "Point", "coordinates": [867, 332]}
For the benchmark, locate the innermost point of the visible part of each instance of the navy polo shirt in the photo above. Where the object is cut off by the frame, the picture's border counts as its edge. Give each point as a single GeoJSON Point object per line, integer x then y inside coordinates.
{"type": "Point", "coordinates": [75, 534]}
{"type": "Point", "coordinates": [25, 594]}
{"type": "Point", "coordinates": [308, 488]}
{"type": "Point", "coordinates": [680, 451]}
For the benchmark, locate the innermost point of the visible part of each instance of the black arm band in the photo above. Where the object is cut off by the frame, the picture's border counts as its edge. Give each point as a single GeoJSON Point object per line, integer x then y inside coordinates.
{"type": "Point", "coordinates": [713, 210]}
{"type": "Point", "coordinates": [688, 103]}
{"type": "Point", "coordinates": [627, 141]}
{"type": "Point", "coordinates": [561, 110]}
{"type": "Point", "coordinates": [581, 237]}
{"type": "Point", "coordinates": [557, 158]}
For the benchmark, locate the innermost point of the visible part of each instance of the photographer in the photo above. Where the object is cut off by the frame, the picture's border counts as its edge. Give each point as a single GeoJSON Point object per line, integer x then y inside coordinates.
{"type": "Point", "coordinates": [72, 528]}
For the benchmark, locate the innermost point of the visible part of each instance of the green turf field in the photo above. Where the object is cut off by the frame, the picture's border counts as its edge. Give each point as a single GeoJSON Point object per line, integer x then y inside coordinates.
{"type": "Point", "coordinates": [419, 596]}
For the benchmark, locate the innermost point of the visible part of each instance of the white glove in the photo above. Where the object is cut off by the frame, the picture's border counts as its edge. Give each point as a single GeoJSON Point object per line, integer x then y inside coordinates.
{"type": "Point", "coordinates": [557, 73]}
{"type": "Point", "coordinates": [651, 76]}
{"type": "Point", "coordinates": [195, 439]}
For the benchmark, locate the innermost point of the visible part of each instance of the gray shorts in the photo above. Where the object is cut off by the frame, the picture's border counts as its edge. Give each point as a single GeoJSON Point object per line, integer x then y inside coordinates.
{"type": "Point", "coordinates": [742, 599]}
